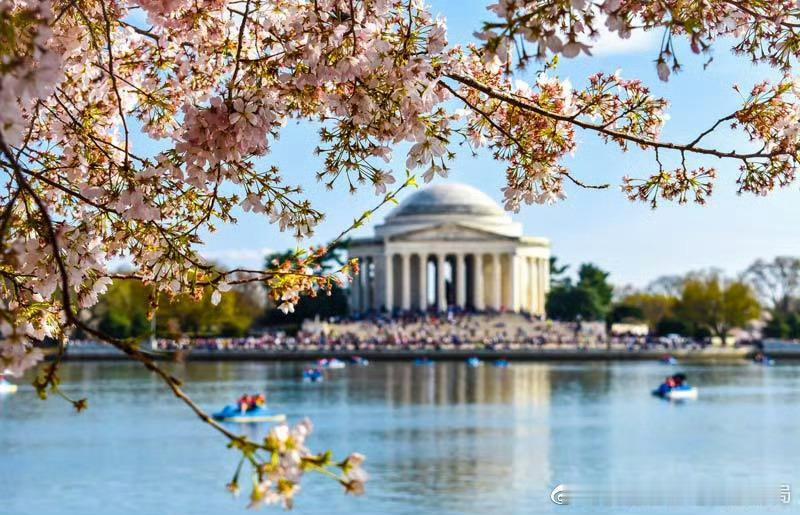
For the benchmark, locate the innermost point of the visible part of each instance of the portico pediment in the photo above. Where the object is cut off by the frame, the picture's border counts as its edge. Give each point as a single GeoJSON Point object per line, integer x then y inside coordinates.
{"type": "Point", "coordinates": [460, 232]}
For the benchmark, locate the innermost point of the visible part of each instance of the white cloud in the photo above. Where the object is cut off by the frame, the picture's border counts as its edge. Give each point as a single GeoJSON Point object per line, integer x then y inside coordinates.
{"type": "Point", "coordinates": [252, 258]}
{"type": "Point", "coordinates": [611, 44]}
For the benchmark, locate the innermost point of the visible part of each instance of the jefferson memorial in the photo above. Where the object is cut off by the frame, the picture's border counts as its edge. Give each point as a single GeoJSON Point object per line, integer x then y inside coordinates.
{"type": "Point", "coordinates": [450, 245]}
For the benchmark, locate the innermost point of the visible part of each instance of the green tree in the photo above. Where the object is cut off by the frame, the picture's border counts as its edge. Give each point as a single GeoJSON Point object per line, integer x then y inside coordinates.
{"type": "Point", "coordinates": [625, 313]}
{"type": "Point", "coordinates": [234, 315]}
{"type": "Point", "coordinates": [588, 299]}
{"type": "Point", "coordinates": [558, 273]}
{"type": "Point", "coordinates": [655, 309]}
{"type": "Point", "coordinates": [325, 305]}
{"type": "Point", "coordinates": [591, 277]}
{"type": "Point", "coordinates": [710, 303]}
{"type": "Point", "coordinates": [122, 311]}
{"type": "Point", "coordinates": [782, 325]}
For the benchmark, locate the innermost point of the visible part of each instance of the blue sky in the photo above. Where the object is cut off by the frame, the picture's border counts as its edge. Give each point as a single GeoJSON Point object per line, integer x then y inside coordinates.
{"type": "Point", "coordinates": [635, 243]}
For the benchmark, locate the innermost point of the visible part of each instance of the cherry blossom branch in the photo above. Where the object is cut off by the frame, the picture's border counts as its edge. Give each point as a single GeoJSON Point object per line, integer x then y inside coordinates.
{"type": "Point", "coordinates": [601, 129]}
{"type": "Point", "coordinates": [114, 84]}
{"type": "Point", "coordinates": [486, 116]}
{"type": "Point", "coordinates": [239, 41]}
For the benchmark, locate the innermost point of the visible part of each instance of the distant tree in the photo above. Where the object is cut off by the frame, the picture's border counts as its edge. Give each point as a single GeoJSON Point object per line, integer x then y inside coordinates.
{"type": "Point", "coordinates": [588, 299]}
{"type": "Point", "coordinates": [674, 325]}
{"type": "Point", "coordinates": [655, 308]}
{"type": "Point", "coordinates": [570, 303]}
{"type": "Point", "coordinates": [122, 310]}
{"type": "Point", "coordinates": [712, 304]}
{"type": "Point", "coordinates": [123, 313]}
{"type": "Point", "coordinates": [777, 283]}
{"type": "Point", "coordinates": [326, 304]}
{"type": "Point", "coordinates": [558, 273]}
{"type": "Point", "coordinates": [668, 285]}
{"type": "Point", "coordinates": [592, 278]}
{"type": "Point", "coordinates": [625, 313]}
{"type": "Point", "coordinates": [234, 315]}
{"type": "Point", "coordinates": [781, 325]}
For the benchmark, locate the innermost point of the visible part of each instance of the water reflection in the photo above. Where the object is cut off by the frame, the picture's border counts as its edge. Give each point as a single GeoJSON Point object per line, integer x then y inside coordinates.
{"type": "Point", "coordinates": [453, 383]}
{"type": "Point", "coordinates": [440, 439]}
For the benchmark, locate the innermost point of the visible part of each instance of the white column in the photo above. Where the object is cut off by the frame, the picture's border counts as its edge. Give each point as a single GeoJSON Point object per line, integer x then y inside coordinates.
{"type": "Point", "coordinates": [441, 294]}
{"type": "Point", "coordinates": [533, 282]}
{"type": "Point", "coordinates": [406, 292]}
{"type": "Point", "coordinates": [389, 281]}
{"type": "Point", "coordinates": [355, 289]}
{"type": "Point", "coordinates": [544, 283]}
{"type": "Point", "coordinates": [497, 298]}
{"type": "Point", "coordinates": [523, 276]}
{"type": "Point", "coordinates": [369, 294]}
{"type": "Point", "coordinates": [423, 282]}
{"type": "Point", "coordinates": [515, 282]}
{"type": "Point", "coordinates": [477, 288]}
{"type": "Point", "coordinates": [461, 281]}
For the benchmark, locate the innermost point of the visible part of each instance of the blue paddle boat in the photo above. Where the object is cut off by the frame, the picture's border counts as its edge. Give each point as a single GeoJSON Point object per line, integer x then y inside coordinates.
{"type": "Point", "coordinates": [763, 360]}
{"type": "Point", "coordinates": [232, 413]}
{"type": "Point", "coordinates": [676, 388]}
{"type": "Point", "coordinates": [332, 363]}
{"type": "Point", "coordinates": [313, 375]}
{"type": "Point", "coordinates": [669, 360]}
{"type": "Point", "coordinates": [423, 362]}
{"type": "Point", "coordinates": [474, 362]}
{"type": "Point", "coordinates": [502, 363]}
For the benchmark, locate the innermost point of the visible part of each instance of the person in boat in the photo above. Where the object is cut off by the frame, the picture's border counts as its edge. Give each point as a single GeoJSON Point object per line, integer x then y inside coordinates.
{"type": "Point", "coordinates": [250, 402]}
{"type": "Point", "coordinates": [666, 386]}
{"type": "Point", "coordinates": [244, 403]}
{"type": "Point", "coordinates": [671, 382]}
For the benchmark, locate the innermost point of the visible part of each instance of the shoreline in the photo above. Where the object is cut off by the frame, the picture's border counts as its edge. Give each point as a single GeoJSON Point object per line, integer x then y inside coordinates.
{"type": "Point", "coordinates": [532, 355]}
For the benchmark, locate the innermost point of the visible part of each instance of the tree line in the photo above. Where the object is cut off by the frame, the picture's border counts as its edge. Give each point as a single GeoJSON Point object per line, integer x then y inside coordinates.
{"type": "Point", "coordinates": [124, 310]}
{"type": "Point", "coordinates": [697, 304]}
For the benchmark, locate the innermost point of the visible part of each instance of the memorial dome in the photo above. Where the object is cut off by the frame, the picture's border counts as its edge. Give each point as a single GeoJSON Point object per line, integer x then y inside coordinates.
{"type": "Point", "coordinates": [448, 199]}
{"type": "Point", "coordinates": [449, 203]}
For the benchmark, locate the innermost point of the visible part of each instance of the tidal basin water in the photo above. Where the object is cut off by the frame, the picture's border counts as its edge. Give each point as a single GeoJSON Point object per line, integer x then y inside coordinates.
{"type": "Point", "coordinates": [441, 439]}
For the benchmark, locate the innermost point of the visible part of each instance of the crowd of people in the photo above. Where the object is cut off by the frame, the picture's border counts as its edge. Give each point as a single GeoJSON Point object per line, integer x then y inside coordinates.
{"type": "Point", "coordinates": [496, 331]}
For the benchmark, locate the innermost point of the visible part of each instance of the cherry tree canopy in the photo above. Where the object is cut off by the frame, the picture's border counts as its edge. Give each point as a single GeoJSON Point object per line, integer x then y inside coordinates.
{"type": "Point", "coordinates": [214, 82]}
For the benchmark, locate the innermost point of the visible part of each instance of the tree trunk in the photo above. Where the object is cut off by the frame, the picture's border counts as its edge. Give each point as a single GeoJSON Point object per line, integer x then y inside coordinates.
{"type": "Point", "coordinates": [722, 333]}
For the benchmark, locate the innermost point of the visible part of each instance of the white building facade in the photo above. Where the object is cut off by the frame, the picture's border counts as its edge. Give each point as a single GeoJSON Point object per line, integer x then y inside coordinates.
{"type": "Point", "coordinates": [446, 246]}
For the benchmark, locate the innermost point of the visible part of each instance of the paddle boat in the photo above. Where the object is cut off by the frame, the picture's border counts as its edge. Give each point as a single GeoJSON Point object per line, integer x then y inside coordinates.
{"type": "Point", "coordinates": [258, 414]}
{"type": "Point", "coordinates": [423, 362]}
{"type": "Point", "coordinates": [7, 387]}
{"type": "Point", "coordinates": [502, 363]}
{"type": "Point", "coordinates": [358, 360]}
{"type": "Point", "coordinates": [676, 388]}
{"type": "Point", "coordinates": [669, 360]}
{"type": "Point", "coordinates": [313, 375]}
{"type": "Point", "coordinates": [763, 360]}
{"type": "Point", "coordinates": [332, 363]}
{"type": "Point", "coordinates": [474, 362]}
